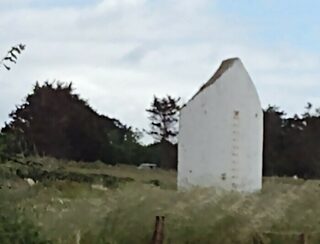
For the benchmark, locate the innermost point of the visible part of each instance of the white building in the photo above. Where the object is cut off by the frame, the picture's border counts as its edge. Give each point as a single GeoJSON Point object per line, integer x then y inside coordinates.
{"type": "Point", "coordinates": [221, 133]}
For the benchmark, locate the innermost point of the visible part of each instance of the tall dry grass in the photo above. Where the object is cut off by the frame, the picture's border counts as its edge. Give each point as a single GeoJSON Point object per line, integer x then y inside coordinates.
{"type": "Point", "coordinates": [69, 212]}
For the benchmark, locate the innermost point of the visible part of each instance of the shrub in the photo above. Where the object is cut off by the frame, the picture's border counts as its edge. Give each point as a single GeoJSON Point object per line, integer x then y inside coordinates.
{"type": "Point", "coordinates": [16, 228]}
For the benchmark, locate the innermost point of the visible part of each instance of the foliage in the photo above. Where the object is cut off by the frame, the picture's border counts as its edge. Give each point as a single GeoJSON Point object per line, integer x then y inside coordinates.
{"type": "Point", "coordinates": [164, 114]}
{"type": "Point", "coordinates": [15, 227]}
{"type": "Point", "coordinates": [3, 146]}
{"type": "Point", "coordinates": [291, 144]}
{"type": "Point", "coordinates": [41, 175]}
{"type": "Point", "coordinates": [69, 211]}
{"type": "Point", "coordinates": [12, 56]}
{"type": "Point", "coordinates": [55, 121]}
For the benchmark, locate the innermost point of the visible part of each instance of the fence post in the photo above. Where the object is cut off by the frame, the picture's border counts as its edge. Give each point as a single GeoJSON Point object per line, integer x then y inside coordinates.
{"type": "Point", "coordinates": [302, 238]}
{"type": "Point", "coordinates": [158, 233]}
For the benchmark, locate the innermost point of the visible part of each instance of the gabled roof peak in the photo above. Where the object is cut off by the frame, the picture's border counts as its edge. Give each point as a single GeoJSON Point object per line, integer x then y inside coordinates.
{"type": "Point", "coordinates": [225, 65]}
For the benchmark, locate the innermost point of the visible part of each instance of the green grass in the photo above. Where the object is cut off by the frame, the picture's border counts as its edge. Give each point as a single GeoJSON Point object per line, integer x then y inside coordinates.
{"type": "Point", "coordinates": [67, 211]}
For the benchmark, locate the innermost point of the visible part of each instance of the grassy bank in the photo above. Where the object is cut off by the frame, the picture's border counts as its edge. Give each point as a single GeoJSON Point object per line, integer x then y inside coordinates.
{"type": "Point", "coordinates": [71, 211]}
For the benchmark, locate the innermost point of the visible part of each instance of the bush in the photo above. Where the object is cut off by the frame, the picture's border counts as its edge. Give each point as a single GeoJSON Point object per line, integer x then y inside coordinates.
{"type": "Point", "coordinates": [15, 227]}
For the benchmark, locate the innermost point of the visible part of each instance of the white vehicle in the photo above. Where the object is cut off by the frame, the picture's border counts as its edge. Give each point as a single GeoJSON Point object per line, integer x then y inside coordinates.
{"type": "Point", "coordinates": [147, 166]}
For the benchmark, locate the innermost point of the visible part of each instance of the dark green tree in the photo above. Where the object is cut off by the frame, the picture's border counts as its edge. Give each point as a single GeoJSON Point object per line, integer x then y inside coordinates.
{"type": "Point", "coordinates": [272, 139]}
{"type": "Point", "coordinates": [54, 121]}
{"type": "Point", "coordinates": [164, 116]}
{"type": "Point", "coordinates": [10, 58]}
{"type": "Point", "coordinates": [302, 135]}
{"type": "Point", "coordinates": [291, 144]}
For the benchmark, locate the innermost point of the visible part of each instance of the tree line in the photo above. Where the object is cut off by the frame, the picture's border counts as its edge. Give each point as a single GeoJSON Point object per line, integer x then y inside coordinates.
{"type": "Point", "coordinates": [54, 121]}
{"type": "Point", "coordinates": [292, 143]}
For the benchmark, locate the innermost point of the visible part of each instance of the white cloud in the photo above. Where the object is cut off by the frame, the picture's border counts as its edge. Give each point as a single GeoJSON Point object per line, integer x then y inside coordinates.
{"type": "Point", "coordinates": [119, 53]}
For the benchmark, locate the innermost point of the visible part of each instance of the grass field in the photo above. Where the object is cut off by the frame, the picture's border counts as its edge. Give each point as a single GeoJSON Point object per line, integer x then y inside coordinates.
{"type": "Point", "coordinates": [96, 203]}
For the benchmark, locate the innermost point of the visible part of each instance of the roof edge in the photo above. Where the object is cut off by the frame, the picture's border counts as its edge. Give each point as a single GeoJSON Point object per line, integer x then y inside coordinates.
{"type": "Point", "coordinates": [224, 66]}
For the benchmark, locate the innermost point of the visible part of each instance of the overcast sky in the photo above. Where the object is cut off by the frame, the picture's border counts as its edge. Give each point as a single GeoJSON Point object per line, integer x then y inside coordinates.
{"type": "Point", "coordinates": [119, 53]}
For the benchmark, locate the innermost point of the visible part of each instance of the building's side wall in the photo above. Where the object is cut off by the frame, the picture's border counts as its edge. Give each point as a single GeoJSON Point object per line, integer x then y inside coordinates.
{"type": "Point", "coordinates": [220, 138]}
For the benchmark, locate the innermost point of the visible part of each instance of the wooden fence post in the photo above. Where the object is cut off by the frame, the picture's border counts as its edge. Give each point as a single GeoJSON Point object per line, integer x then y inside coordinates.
{"type": "Point", "coordinates": [158, 233]}
{"type": "Point", "coordinates": [302, 238]}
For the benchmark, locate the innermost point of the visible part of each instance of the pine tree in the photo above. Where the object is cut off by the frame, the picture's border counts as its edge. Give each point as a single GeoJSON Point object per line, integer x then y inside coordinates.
{"type": "Point", "coordinates": [164, 114]}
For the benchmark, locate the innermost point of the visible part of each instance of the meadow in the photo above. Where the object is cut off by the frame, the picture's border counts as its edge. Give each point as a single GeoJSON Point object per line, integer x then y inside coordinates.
{"type": "Point", "coordinates": [96, 203]}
